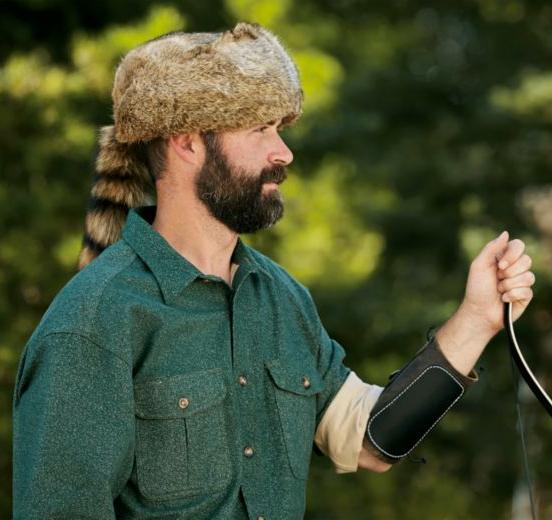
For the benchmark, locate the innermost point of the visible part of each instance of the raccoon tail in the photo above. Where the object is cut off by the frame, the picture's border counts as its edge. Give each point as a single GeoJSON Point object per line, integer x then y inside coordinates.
{"type": "Point", "coordinates": [122, 181]}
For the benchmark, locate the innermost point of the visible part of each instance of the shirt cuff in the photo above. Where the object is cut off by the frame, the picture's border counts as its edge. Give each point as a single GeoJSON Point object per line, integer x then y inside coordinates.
{"type": "Point", "coordinates": [342, 428]}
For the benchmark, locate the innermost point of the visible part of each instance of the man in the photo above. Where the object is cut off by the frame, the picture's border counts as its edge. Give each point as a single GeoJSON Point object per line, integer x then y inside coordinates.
{"type": "Point", "coordinates": [183, 374]}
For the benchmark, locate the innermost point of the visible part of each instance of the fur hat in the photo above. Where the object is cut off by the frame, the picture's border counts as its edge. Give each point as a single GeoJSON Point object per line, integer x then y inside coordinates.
{"type": "Point", "coordinates": [178, 83]}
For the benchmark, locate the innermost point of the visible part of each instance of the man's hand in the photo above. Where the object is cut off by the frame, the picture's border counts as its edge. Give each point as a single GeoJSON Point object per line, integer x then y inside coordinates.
{"type": "Point", "coordinates": [500, 273]}
{"type": "Point", "coordinates": [370, 459]}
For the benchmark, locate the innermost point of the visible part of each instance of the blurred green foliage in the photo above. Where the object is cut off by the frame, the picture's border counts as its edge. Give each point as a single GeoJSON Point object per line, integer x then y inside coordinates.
{"type": "Point", "coordinates": [427, 131]}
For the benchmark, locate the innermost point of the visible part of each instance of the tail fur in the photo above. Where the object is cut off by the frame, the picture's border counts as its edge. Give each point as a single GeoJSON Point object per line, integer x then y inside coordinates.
{"type": "Point", "coordinates": [122, 181]}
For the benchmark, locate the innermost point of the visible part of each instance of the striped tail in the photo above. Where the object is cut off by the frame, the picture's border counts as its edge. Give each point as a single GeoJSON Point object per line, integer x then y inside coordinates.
{"type": "Point", "coordinates": [121, 181]}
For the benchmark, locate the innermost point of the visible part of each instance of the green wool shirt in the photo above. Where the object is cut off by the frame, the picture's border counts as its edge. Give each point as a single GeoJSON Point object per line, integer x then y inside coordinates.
{"type": "Point", "coordinates": [152, 390]}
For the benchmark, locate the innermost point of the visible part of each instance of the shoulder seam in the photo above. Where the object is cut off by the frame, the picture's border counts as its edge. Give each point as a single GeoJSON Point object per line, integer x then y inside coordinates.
{"type": "Point", "coordinates": [132, 258]}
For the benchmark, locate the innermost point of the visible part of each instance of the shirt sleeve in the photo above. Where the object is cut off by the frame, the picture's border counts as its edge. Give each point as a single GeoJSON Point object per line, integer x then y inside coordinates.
{"type": "Point", "coordinates": [73, 439]}
{"type": "Point", "coordinates": [341, 431]}
{"type": "Point", "coordinates": [329, 362]}
{"type": "Point", "coordinates": [343, 406]}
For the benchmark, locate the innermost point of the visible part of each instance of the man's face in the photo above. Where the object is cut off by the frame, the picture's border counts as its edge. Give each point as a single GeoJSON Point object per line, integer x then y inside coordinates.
{"type": "Point", "coordinates": [234, 183]}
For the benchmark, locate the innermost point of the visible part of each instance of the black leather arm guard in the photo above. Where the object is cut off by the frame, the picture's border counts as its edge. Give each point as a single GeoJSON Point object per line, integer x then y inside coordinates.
{"type": "Point", "coordinates": [414, 401]}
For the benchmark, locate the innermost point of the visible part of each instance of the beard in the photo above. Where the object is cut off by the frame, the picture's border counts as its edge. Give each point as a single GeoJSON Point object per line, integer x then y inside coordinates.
{"type": "Point", "coordinates": [235, 197]}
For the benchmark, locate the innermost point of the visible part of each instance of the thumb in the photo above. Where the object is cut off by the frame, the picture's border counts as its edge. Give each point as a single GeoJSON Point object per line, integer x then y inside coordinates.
{"type": "Point", "coordinates": [495, 248]}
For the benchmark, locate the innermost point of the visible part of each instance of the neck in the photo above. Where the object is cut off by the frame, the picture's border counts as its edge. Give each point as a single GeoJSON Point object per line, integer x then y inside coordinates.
{"type": "Point", "coordinates": [185, 223]}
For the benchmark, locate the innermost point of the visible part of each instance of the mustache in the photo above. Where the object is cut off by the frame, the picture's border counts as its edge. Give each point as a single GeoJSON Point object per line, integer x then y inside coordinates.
{"type": "Point", "coordinates": [277, 174]}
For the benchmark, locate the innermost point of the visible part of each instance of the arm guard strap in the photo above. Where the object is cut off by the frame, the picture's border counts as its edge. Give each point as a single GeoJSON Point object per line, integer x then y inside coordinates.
{"type": "Point", "coordinates": [414, 401]}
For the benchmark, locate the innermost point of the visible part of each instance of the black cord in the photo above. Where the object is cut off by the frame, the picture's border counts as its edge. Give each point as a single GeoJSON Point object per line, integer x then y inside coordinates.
{"type": "Point", "coordinates": [421, 460]}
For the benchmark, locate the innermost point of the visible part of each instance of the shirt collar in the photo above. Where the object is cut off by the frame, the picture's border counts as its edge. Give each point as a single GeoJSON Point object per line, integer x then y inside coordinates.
{"type": "Point", "coordinates": [173, 271]}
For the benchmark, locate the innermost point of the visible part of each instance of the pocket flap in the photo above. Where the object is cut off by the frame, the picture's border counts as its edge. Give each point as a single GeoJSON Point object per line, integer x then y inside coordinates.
{"type": "Point", "coordinates": [180, 395]}
{"type": "Point", "coordinates": [297, 376]}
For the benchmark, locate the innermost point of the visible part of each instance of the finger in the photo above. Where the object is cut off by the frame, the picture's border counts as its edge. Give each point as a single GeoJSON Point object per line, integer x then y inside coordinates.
{"type": "Point", "coordinates": [513, 251]}
{"type": "Point", "coordinates": [520, 266]}
{"type": "Point", "coordinates": [526, 279]}
{"type": "Point", "coordinates": [523, 294]}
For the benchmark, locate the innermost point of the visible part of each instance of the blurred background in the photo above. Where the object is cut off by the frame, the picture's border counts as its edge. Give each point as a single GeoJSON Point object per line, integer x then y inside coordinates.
{"type": "Point", "coordinates": [427, 131]}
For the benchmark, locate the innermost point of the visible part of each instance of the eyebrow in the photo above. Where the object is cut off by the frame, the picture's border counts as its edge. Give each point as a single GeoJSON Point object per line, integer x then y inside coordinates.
{"type": "Point", "coordinates": [270, 123]}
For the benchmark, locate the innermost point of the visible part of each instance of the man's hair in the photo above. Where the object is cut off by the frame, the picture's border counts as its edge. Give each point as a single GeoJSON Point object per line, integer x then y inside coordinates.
{"type": "Point", "coordinates": [210, 139]}
{"type": "Point", "coordinates": [155, 152]}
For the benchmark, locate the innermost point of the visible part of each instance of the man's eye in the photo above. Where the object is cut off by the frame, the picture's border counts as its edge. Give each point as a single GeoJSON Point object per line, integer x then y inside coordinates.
{"type": "Point", "coordinates": [263, 128]}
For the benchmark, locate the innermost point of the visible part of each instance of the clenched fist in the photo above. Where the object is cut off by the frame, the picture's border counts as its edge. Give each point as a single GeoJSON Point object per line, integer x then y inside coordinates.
{"type": "Point", "coordinates": [500, 273]}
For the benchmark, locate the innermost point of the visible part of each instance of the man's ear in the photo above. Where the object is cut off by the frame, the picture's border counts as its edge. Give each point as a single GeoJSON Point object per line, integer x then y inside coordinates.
{"type": "Point", "coordinates": [188, 147]}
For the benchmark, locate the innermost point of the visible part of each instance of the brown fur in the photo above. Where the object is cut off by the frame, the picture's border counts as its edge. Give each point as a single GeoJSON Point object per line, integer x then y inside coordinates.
{"type": "Point", "coordinates": [122, 182]}
{"type": "Point", "coordinates": [178, 83]}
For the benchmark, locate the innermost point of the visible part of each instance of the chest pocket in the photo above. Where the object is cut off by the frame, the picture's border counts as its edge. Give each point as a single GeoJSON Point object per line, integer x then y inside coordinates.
{"type": "Point", "coordinates": [296, 384]}
{"type": "Point", "coordinates": [181, 435]}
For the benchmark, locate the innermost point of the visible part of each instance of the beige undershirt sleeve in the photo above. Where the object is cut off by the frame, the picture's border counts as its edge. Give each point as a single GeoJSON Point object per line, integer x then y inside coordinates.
{"type": "Point", "coordinates": [233, 269]}
{"type": "Point", "coordinates": [341, 430]}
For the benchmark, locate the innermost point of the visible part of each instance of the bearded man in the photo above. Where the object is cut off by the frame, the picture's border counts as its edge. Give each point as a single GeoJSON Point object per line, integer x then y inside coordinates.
{"type": "Point", "coordinates": [183, 374]}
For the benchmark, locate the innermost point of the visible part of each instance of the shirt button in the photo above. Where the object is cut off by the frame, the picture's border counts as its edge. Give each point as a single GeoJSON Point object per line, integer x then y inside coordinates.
{"type": "Point", "coordinates": [306, 382]}
{"type": "Point", "coordinates": [248, 451]}
{"type": "Point", "coordinates": [260, 517]}
{"type": "Point", "coordinates": [183, 403]}
{"type": "Point", "coordinates": [242, 380]}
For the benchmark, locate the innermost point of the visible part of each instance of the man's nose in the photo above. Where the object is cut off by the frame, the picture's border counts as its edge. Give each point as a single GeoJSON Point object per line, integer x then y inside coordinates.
{"type": "Point", "coordinates": [281, 154]}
